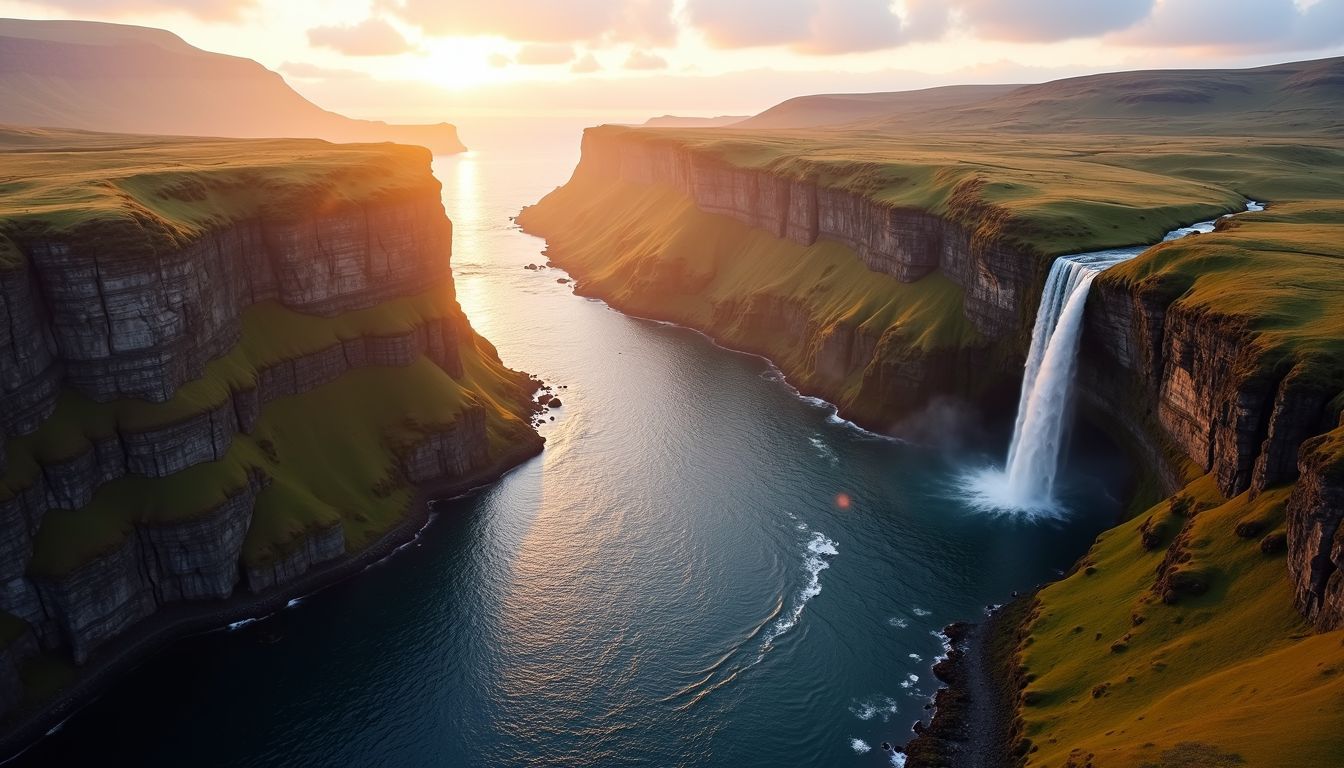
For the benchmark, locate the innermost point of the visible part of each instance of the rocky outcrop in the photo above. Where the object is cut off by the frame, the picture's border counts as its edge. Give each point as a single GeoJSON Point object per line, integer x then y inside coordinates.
{"type": "Point", "coordinates": [1315, 534]}
{"type": "Point", "coordinates": [124, 309]}
{"type": "Point", "coordinates": [1181, 383]}
{"type": "Point", "coordinates": [1201, 384]}
{"type": "Point", "coordinates": [128, 316]}
{"type": "Point", "coordinates": [316, 548]}
{"type": "Point", "coordinates": [999, 281]}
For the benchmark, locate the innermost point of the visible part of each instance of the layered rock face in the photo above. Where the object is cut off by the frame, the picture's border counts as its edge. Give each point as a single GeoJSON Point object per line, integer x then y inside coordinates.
{"type": "Point", "coordinates": [117, 316]}
{"type": "Point", "coordinates": [1315, 533]}
{"type": "Point", "coordinates": [1198, 381]}
{"type": "Point", "coordinates": [999, 281]}
{"type": "Point", "coordinates": [1183, 384]}
{"type": "Point", "coordinates": [142, 321]}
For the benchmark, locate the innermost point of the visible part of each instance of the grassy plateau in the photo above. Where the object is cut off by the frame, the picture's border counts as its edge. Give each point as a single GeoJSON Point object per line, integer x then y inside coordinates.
{"type": "Point", "coordinates": [1122, 667]}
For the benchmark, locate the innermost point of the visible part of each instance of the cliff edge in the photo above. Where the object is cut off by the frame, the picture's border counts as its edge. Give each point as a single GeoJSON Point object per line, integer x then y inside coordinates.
{"type": "Point", "coordinates": [882, 270]}
{"type": "Point", "coordinates": [224, 366]}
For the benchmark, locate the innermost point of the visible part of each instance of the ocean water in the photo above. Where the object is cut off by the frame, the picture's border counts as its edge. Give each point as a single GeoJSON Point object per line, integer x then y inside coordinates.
{"type": "Point", "coordinates": [702, 569]}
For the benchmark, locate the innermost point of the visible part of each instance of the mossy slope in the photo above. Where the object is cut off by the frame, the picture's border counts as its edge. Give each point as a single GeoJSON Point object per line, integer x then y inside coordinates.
{"type": "Point", "coordinates": [1128, 667]}
{"type": "Point", "coordinates": [649, 251]}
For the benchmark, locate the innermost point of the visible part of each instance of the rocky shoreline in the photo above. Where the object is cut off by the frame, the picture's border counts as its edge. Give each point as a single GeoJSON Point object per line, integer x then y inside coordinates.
{"type": "Point", "coordinates": [121, 655]}
{"type": "Point", "coordinates": [975, 722]}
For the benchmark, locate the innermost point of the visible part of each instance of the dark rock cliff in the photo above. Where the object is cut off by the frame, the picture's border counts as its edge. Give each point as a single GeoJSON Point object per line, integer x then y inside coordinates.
{"type": "Point", "coordinates": [999, 281]}
{"type": "Point", "coordinates": [1180, 386]}
{"type": "Point", "coordinates": [82, 315]}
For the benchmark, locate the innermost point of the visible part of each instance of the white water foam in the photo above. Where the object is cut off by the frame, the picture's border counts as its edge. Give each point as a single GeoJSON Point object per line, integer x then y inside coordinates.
{"type": "Point", "coordinates": [818, 549]}
{"type": "Point", "coordinates": [860, 746]}
{"type": "Point", "coordinates": [920, 612]}
{"type": "Point", "coordinates": [1026, 483]}
{"type": "Point", "coordinates": [824, 449]}
{"type": "Point", "coordinates": [946, 642]}
{"type": "Point", "coordinates": [898, 622]}
{"type": "Point", "coordinates": [898, 760]}
{"type": "Point", "coordinates": [884, 706]}
{"type": "Point", "coordinates": [909, 681]}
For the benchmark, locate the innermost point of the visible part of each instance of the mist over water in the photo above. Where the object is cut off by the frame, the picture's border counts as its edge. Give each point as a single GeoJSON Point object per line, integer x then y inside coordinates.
{"type": "Point", "coordinates": [672, 583]}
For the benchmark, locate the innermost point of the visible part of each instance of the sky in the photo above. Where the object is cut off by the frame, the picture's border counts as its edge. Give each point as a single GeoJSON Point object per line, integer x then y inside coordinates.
{"type": "Point", "coordinates": [429, 60]}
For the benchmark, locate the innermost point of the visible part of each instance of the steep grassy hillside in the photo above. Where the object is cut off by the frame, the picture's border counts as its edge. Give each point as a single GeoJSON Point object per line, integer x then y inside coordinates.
{"type": "Point", "coordinates": [650, 252]}
{"type": "Point", "coordinates": [113, 77]}
{"type": "Point", "coordinates": [1180, 640]}
{"type": "Point", "coordinates": [224, 366]}
{"type": "Point", "coordinates": [1175, 643]}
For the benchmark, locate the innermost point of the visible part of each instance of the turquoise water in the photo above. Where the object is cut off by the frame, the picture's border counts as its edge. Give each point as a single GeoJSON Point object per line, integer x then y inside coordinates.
{"type": "Point", "coordinates": [677, 581]}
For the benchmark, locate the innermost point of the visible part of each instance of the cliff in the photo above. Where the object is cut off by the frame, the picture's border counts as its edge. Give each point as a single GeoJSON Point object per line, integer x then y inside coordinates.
{"type": "Point", "coordinates": [881, 271]}
{"type": "Point", "coordinates": [223, 365]}
{"type": "Point", "coordinates": [115, 77]}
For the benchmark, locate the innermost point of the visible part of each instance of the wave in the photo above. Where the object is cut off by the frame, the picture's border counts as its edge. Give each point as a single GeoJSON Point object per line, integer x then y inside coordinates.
{"type": "Point", "coordinates": [860, 746]}
{"type": "Point", "coordinates": [818, 548]}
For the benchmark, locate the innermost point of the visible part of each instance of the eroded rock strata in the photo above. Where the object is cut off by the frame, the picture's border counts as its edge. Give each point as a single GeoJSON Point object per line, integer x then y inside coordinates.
{"type": "Point", "coordinates": [1182, 385]}
{"type": "Point", "coordinates": [130, 359]}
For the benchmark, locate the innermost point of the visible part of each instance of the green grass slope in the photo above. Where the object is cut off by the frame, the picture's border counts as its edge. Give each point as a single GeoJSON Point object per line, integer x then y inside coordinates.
{"type": "Point", "coordinates": [650, 252]}
{"type": "Point", "coordinates": [150, 192]}
{"type": "Point", "coordinates": [1175, 643]}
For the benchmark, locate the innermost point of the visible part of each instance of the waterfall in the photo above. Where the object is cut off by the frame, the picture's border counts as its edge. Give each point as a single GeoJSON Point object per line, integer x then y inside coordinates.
{"type": "Point", "coordinates": [1027, 481]}
{"type": "Point", "coordinates": [1033, 455]}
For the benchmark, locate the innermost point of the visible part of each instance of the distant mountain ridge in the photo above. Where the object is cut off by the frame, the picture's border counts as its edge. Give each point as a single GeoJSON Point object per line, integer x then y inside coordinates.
{"type": "Point", "coordinates": [677, 121]}
{"type": "Point", "coordinates": [1304, 97]}
{"type": "Point", "coordinates": [837, 108]}
{"type": "Point", "coordinates": [126, 79]}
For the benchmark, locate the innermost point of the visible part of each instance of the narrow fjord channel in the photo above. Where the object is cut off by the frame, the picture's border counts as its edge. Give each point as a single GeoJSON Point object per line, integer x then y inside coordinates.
{"type": "Point", "coordinates": [702, 569]}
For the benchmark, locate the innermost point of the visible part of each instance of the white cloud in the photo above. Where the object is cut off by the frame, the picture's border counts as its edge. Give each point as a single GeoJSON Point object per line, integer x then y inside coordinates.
{"type": "Point", "coordinates": [371, 37]}
{"type": "Point", "coordinates": [1253, 25]}
{"type": "Point", "coordinates": [639, 21]}
{"type": "Point", "coordinates": [643, 60]}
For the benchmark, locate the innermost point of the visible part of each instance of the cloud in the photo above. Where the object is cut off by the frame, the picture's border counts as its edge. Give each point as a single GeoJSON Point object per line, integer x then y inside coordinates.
{"type": "Point", "coordinates": [543, 21]}
{"type": "Point", "coordinates": [817, 26]}
{"type": "Point", "coordinates": [1253, 26]}
{"type": "Point", "coordinates": [1038, 21]}
{"type": "Point", "coordinates": [212, 10]}
{"type": "Point", "coordinates": [306, 71]}
{"type": "Point", "coordinates": [645, 61]}
{"type": "Point", "coordinates": [371, 37]}
{"type": "Point", "coordinates": [499, 60]}
{"type": "Point", "coordinates": [586, 65]}
{"type": "Point", "coordinates": [545, 53]}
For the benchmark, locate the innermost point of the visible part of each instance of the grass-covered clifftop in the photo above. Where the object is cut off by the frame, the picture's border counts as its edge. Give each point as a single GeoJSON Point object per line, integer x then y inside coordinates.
{"type": "Point", "coordinates": [223, 365]}
{"type": "Point", "coordinates": [151, 192]}
{"type": "Point", "coordinates": [1180, 639]}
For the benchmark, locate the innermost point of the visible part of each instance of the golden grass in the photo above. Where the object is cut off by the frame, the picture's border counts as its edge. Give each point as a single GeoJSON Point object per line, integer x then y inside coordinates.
{"type": "Point", "coordinates": [137, 193]}
{"type": "Point", "coordinates": [1121, 676]}
{"type": "Point", "coordinates": [649, 251]}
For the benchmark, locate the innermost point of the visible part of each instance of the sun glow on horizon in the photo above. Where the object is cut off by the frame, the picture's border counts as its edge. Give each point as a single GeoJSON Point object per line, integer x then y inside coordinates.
{"type": "Point", "coordinates": [457, 63]}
